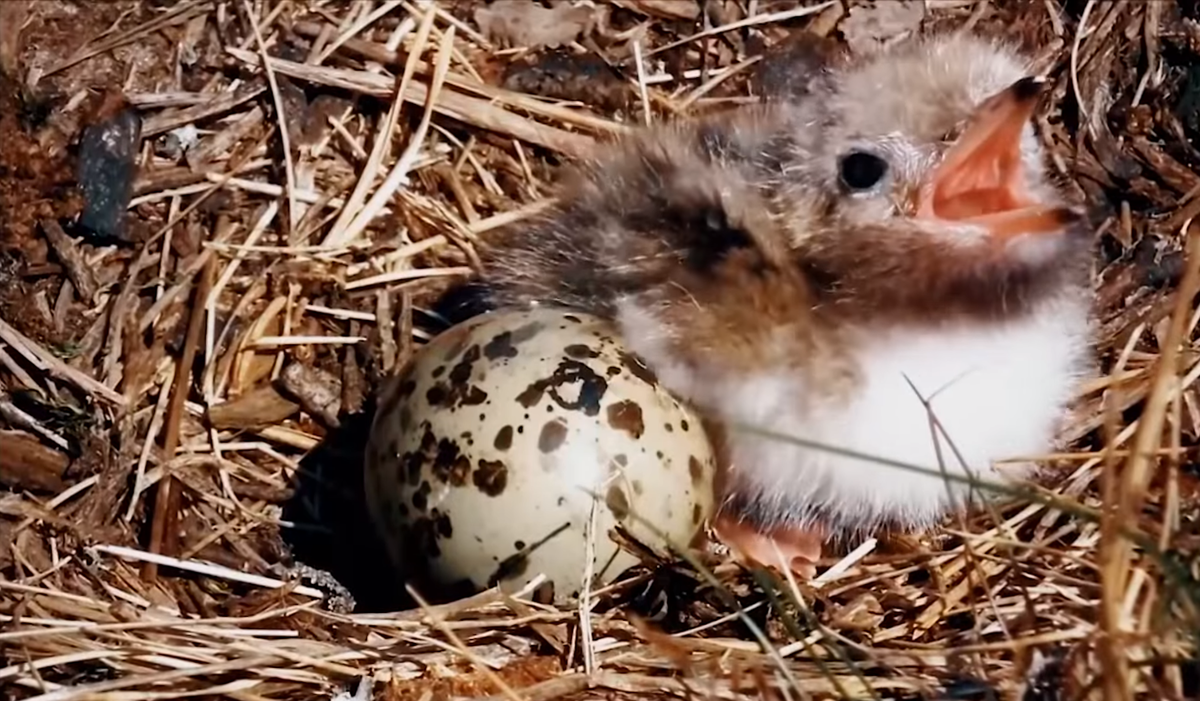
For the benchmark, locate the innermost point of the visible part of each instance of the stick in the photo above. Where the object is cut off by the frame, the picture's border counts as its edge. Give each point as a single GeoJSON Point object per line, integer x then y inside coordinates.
{"type": "Point", "coordinates": [163, 532]}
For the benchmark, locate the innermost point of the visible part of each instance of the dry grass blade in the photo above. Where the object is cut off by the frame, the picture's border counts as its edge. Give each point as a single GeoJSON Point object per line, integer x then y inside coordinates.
{"type": "Point", "coordinates": [479, 113]}
{"type": "Point", "coordinates": [180, 13]}
{"type": "Point", "coordinates": [45, 361]}
{"type": "Point", "coordinates": [289, 168]}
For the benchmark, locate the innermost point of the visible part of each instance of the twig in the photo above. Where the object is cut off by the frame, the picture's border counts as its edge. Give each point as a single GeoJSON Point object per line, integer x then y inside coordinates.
{"type": "Point", "coordinates": [44, 360]}
{"type": "Point", "coordinates": [72, 259]}
{"type": "Point", "coordinates": [177, 14]}
{"type": "Point", "coordinates": [280, 115]}
{"type": "Point", "coordinates": [163, 533]}
{"type": "Point", "coordinates": [471, 110]}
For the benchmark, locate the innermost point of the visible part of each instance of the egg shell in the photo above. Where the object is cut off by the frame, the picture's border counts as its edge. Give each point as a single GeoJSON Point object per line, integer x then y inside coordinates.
{"type": "Point", "coordinates": [493, 447]}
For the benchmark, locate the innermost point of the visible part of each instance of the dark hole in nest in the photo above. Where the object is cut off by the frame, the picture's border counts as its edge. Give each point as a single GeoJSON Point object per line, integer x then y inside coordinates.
{"type": "Point", "coordinates": [919, 576]}
{"type": "Point", "coordinates": [461, 302]}
{"type": "Point", "coordinates": [967, 689]}
{"type": "Point", "coordinates": [34, 110]}
{"type": "Point", "coordinates": [1190, 673]}
{"type": "Point", "coordinates": [344, 544]}
{"type": "Point", "coordinates": [963, 620]}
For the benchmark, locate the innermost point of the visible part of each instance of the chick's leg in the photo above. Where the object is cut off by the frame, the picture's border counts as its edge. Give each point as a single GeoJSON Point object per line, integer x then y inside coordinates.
{"type": "Point", "coordinates": [800, 548]}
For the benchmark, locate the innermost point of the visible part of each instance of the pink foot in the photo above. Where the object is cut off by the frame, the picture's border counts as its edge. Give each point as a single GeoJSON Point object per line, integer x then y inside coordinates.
{"type": "Point", "coordinates": [800, 548]}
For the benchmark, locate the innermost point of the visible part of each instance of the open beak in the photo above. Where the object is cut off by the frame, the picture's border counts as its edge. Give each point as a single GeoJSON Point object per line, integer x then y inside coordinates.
{"type": "Point", "coordinates": [981, 179]}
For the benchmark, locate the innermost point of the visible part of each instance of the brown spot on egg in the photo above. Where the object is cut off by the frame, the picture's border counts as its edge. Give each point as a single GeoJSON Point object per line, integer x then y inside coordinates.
{"type": "Point", "coordinates": [617, 502]}
{"type": "Point", "coordinates": [459, 471]}
{"type": "Point", "coordinates": [410, 467]}
{"type": "Point", "coordinates": [697, 513]}
{"type": "Point", "coordinates": [573, 318]}
{"type": "Point", "coordinates": [438, 371]}
{"type": "Point", "coordinates": [420, 498]}
{"type": "Point", "coordinates": [512, 566]}
{"type": "Point", "coordinates": [445, 528]}
{"type": "Point", "coordinates": [528, 331]}
{"type": "Point", "coordinates": [626, 415]}
{"type": "Point", "coordinates": [683, 423]}
{"type": "Point", "coordinates": [501, 346]}
{"type": "Point", "coordinates": [695, 469]}
{"type": "Point", "coordinates": [454, 396]}
{"type": "Point", "coordinates": [422, 538]}
{"type": "Point", "coordinates": [669, 428]}
{"type": "Point", "coordinates": [580, 351]}
{"type": "Point", "coordinates": [638, 369]}
{"type": "Point", "coordinates": [459, 337]}
{"type": "Point", "coordinates": [589, 387]}
{"type": "Point", "coordinates": [449, 465]}
{"type": "Point", "coordinates": [457, 391]}
{"type": "Point", "coordinates": [504, 438]}
{"type": "Point", "coordinates": [461, 372]}
{"type": "Point", "coordinates": [407, 387]}
{"type": "Point", "coordinates": [491, 477]}
{"type": "Point", "coordinates": [612, 371]}
{"type": "Point", "coordinates": [519, 545]}
{"type": "Point", "coordinates": [428, 440]}
{"type": "Point", "coordinates": [544, 594]}
{"type": "Point", "coordinates": [553, 434]}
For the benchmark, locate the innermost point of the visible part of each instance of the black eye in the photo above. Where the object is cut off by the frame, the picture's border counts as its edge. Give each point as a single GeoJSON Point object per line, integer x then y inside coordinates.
{"type": "Point", "coordinates": [860, 170]}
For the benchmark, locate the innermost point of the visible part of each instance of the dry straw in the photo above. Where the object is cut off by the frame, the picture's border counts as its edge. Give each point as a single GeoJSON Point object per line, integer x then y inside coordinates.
{"type": "Point", "coordinates": [312, 232]}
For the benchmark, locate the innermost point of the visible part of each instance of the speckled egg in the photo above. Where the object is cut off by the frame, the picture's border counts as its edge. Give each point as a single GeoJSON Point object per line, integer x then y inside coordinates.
{"type": "Point", "coordinates": [494, 447]}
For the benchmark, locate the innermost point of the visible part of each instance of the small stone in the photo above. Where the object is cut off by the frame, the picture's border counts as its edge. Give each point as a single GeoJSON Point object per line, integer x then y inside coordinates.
{"type": "Point", "coordinates": [107, 168]}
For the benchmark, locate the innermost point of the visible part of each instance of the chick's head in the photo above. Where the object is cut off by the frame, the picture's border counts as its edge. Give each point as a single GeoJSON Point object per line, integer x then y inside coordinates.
{"type": "Point", "coordinates": [925, 157]}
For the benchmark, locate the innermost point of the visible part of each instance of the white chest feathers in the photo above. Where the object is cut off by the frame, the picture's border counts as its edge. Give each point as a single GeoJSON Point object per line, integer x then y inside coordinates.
{"type": "Point", "coordinates": [954, 399]}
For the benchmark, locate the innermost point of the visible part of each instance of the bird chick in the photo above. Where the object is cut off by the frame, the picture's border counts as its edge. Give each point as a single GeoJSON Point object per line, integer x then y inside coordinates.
{"type": "Point", "coordinates": [880, 268]}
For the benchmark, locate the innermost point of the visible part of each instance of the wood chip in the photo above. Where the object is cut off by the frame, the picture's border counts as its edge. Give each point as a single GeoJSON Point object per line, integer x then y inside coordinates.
{"type": "Point", "coordinates": [67, 250]}
{"type": "Point", "coordinates": [317, 391]}
{"type": "Point", "coordinates": [27, 464]}
{"type": "Point", "coordinates": [48, 362]}
{"type": "Point", "coordinates": [258, 408]}
{"type": "Point", "coordinates": [217, 104]}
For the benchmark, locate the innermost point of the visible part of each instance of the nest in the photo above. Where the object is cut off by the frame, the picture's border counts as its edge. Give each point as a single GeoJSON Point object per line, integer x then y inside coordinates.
{"type": "Point", "coordinates": [183, 397]}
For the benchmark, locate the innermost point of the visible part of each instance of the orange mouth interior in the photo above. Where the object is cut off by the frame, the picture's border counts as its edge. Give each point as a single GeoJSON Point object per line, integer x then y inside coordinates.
{"type": "Point", "coordinates": [980, 180]}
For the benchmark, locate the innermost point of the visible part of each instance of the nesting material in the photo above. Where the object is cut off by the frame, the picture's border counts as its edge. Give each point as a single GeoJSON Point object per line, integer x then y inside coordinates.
{"type": "Point", "coordinates": [183, 411]}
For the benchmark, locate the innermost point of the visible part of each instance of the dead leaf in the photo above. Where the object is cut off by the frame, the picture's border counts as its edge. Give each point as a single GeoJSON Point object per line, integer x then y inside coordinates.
{"type": "Point", "coordinates": [663, 9]}
{"type": "Point", "coordinates": [864, 613]}
{"type": "Point", "coordinates": [12, 21]}
{"type": "Point", "coordinates": [527, 24]}
{"type": "Point", "coordinates": [869, 26]}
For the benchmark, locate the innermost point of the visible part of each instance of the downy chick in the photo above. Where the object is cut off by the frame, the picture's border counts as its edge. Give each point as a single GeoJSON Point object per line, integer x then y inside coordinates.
{"type": "Point", "coordinates": [881, 265]}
